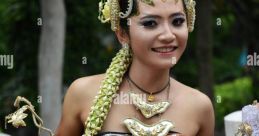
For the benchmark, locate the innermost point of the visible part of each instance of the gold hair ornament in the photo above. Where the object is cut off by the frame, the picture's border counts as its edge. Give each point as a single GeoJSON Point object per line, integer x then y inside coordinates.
{"type": "Point", "coordinates": [104, 11]}
{"type": "Point", "coordinates": [129, 9]}
{"type": "Point", "coordinates": [114, 13]}
{"type": "Point", "coordinates": [149, 2]}
{"type": "Point", "coordinates": [191, 14]}
{"type": "Point", "coordinates": [109, 11]}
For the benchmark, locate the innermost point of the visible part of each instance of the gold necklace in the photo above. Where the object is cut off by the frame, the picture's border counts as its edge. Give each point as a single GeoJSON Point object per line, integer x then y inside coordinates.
{"type": "Point", "coordinates": [148, 110]}
{"type": "Point", "coordinates": [151, 96]}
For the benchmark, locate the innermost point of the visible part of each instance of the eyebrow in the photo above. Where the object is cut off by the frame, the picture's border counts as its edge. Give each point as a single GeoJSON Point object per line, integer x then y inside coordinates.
{"type": "Point", "coordinates": [157, 16]}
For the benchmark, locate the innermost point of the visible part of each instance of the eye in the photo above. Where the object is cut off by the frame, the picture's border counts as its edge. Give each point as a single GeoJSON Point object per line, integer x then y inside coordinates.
{"type": "Point", "coordinates": [178, 21]}
{"type": "Point", "coordinates": [149, 24]}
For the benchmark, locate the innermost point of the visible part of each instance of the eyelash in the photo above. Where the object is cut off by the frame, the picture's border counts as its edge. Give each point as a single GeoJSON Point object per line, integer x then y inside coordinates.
{"type": "Point", "coordinates": [149, 24]}
{"type": "Point", "coordinates": [177, 22]}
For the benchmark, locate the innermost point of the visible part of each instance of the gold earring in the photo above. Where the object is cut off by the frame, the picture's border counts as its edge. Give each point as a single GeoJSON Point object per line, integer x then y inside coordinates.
{"type": "Point", "coordinates": [125, 45]}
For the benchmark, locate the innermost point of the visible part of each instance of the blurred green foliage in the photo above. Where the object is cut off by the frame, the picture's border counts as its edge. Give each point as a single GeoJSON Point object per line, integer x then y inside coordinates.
{"type": "Point", "coordinates": [232, 96]}
{"type": "Point", "coordinates": [87, 37]}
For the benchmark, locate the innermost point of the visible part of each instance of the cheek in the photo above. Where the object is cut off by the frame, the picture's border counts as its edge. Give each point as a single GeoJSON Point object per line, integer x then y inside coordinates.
{"type": "Point", "coordinates": [139, 39]}
{"type": "Point", "coordinates": [182, 38]}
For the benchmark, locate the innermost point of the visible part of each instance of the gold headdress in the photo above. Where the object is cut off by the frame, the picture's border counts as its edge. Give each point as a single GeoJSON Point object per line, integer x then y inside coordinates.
{"type": "Point", "coordinates": [190, 9]}
{"type": "Point", "coordinates": [109, 11]}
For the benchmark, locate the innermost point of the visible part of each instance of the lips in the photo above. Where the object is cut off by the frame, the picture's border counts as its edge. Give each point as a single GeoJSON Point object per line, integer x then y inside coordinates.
{"type": "Point", "coordinates": [165, 49]}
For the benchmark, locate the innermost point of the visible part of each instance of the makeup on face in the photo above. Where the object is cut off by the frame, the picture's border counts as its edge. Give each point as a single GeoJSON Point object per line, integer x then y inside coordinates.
{"type": "Point", "coordinates": [159, 33]}
{"type": "Point", "coordinates": [150, 21]}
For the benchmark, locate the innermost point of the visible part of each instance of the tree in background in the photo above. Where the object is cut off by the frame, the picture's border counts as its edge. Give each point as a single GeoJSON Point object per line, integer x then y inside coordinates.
{"type": "Point", "coordinates": [50, 60]}
{"type": "Point", "coordinates": [247, 14]}
{"type": "Point", "coordinates": [85, 37]}
{"type": "Point", "coordinates": [204, 46]}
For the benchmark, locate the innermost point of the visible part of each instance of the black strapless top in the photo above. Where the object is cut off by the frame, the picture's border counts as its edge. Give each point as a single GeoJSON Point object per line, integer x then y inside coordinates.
{"type": "Point", "coordinates": [109, 133]}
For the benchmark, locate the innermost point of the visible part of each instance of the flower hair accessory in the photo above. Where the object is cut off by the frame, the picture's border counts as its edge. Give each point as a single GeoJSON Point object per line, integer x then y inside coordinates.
{"type": "Point", "coordinates": [109, 11]}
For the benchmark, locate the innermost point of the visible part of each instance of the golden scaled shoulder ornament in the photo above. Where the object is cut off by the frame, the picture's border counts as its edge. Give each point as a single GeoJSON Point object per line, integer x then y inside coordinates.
{"type": "Point", "coordinates": [109, 11]}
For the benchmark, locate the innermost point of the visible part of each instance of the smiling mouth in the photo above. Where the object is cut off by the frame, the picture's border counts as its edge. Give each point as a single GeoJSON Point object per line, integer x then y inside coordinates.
{"type": "Point", "coordinates": [164, 49]}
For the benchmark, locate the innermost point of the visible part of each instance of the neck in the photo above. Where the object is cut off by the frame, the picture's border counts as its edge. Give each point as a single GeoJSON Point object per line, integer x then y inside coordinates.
{"type": "Point", "coordinates": [148, 78]}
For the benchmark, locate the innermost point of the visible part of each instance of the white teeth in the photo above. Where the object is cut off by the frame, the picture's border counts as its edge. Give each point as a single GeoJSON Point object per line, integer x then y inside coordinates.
{"type": "Point", "coordinates": [168, 49]}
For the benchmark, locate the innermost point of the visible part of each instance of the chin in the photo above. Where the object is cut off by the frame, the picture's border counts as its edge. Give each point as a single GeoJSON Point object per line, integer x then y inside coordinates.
{"type": "Point", "coordinates": [163, 65]}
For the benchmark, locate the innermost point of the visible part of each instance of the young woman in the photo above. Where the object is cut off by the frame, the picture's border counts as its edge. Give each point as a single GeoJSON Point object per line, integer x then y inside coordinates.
{"type": "Point", "coordinates": [154, 35]}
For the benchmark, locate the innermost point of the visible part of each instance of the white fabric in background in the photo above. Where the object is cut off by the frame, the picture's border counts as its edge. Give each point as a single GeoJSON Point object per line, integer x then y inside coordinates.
{"type": "Point", "coordinates": [232, 121]}
{"type": "Point", "coordinates": [250, 114]}
{"type": "Point", "coordinates": [2, 134]}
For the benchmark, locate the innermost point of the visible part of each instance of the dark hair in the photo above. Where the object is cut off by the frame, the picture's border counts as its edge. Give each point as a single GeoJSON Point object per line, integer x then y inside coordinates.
{"type": "Point", "coordinates": [123, 8]}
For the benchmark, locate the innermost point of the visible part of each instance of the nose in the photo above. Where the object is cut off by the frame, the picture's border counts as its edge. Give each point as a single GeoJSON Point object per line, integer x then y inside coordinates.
{"type": "Point", "coordinates": [167, 35]}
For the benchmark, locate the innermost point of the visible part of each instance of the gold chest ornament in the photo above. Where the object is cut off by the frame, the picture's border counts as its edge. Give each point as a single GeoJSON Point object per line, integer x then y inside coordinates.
{"type": "Point", "coordinates": [138, 128]}
{"type": "Point", "coordinates": [148, 110]}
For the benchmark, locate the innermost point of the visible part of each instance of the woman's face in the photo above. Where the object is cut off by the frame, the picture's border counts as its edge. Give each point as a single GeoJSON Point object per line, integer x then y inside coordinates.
{"type": "Point", "coordinates": [158, 34]}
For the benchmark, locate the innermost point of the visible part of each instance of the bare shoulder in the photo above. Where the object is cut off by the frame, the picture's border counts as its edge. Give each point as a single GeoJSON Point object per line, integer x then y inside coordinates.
{"type": "Point", "coordinates": [78, 99]}
{"type": "Point", "coordinates": [191, 95]}
{"type": "Point", "coordinates": [83, 90]}
{"type": "Point", "coordinates": [85, 87]}
{"type": "Point", "coordinates": [89, 82]}
{"type": "Point", "coordinates": [199, 107]}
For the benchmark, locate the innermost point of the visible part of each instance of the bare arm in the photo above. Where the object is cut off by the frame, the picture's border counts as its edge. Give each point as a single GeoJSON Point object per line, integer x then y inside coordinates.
{"type": "Point", "coordinates": [207, 118]}
{"type": "Point", "coordinates": [77, 103]}
{"type": "Point", "coordinates": [70, 124]}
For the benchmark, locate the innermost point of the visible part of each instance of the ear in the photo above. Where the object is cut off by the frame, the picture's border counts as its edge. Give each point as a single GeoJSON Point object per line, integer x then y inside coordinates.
{"type": "Point", "coordinates": [122, 36]}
